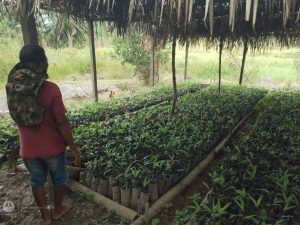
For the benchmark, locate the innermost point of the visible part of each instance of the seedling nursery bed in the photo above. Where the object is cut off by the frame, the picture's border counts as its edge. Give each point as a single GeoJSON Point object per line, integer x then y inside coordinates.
{"type": "Point", "coordinates": [257, 179]}
{"type": "Point", "coordinates": [136, 158]}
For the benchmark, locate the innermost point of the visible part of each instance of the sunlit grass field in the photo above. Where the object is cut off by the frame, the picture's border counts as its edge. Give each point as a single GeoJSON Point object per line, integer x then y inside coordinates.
{"type": "Point", "coordinates": [271, 67]}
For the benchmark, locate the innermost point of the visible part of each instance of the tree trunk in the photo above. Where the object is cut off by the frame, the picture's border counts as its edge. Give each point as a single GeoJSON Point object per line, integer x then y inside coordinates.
{"type": "Point", "coordinates": [70, 39]}
{"type": "Point", "coordinates": [186, 58]}
{"type": "Point", "coordinates": [220, 63]}
{"type": "Point", "coordinates": [174, 70]}
{"type": "Point", "coordinates": [28, 25]}
{"type": "Point", "coordinates": [244, 60]}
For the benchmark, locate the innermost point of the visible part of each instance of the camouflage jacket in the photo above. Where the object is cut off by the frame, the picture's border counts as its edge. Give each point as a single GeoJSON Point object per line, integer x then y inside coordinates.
{"type": "Point", "coordinates": [23, 83]}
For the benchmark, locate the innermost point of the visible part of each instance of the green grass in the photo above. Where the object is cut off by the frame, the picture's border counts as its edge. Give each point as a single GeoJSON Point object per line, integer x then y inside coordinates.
{"type": "Point", "coordinates": [66, 62]}
{"type": "Point", "coordinates": [76, 62]}
{"type": "Point", "coordinates": [9, 56]}
{"type": "Point", "coordinates": [273, 67]}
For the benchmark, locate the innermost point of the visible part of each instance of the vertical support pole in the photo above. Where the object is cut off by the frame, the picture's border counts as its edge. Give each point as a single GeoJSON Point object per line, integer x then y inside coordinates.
{"type": "Point", "coordinates": [27, 21]}
{"type": "Point", "coordinates": [186, 58]}
{"type": "Point", "coordinates": [244, 60]}
{"type": "Point", "coordinates": [152, 62]}
{"type": "Point", "coordinates": [93, 58]}
{"type": "Point", "coordinates": [174, 70]}
{"type": "Point", "coordinates": [220, 62]}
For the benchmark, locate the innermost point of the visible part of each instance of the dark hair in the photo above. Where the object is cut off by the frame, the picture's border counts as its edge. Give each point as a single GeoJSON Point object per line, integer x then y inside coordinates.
{"type": "Point", "coordinates": [32, 53]}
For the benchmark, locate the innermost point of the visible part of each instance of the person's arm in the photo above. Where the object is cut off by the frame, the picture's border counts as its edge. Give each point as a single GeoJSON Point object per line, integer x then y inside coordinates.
{"type": "Point", "coordinates": [65, 130]}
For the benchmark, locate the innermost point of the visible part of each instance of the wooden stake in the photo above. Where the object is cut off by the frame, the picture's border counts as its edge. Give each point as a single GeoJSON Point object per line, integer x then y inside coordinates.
{"type": "Point", "coordinates": [244, 60]}
{"type": "Point", "coordinates": [174, 70]}
{"type": "Point", "coordinates": [220, 62]}
{"type": "Point", "coordinates": [152, 62]}
{"type": "Point", "coordinates": [186, 58]}
{"type": "Point", "coordinates": [93, 58]}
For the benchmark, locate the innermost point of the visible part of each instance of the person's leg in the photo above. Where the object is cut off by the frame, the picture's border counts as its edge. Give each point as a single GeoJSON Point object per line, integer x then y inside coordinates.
{"type": "Point", "coordinates": [59, 208]}
{"type": "Point", "coordinates": [59, 177]}
{"type": "Point", "coordinates": [41, 200]}
{"type": "Point", "coordinates": [37, 177]}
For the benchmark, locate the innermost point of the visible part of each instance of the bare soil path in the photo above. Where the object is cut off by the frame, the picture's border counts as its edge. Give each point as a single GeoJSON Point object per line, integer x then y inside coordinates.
{"type": "Point", "coordinates": [74, 90]}
{"type": "Point", "coordinates": [14, 187]}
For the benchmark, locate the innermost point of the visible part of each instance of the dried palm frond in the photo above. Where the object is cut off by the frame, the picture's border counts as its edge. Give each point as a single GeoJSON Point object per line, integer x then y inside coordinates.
{"type": "Point", "coordinates": [131, 6]}
{"type": "Point", "coordinates": [161, 10]}
{"type": "Point", "coordinates": [270, 19]}
{"type": "Point", "coordinates": [190, 10]}
{"type": "Point", "coordinates": [248, 10]}
{"type": "Point", "coordinates": [178, 10]}
{"type": "Point", "coordinates": [255, 6]}
{"type": "Point", "coordinates": [232, 12]}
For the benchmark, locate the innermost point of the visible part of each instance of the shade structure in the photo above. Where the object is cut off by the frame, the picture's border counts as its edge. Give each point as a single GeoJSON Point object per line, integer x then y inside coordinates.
{"type": "Point", "coordinates": [231, 20]}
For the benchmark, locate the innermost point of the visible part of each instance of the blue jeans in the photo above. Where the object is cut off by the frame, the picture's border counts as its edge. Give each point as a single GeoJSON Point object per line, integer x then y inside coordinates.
{"type": "Point", "coordinates": [38, 170]}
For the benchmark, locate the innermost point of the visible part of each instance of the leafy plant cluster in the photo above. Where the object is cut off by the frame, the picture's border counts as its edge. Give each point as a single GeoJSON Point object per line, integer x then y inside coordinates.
{"type": "Point", "coordinates": [86, 113]}
{"type": "Point", "coordinates": [128, 49]}
{"type": "Point", "coordinates": [259, 183]}
{"type": "Point", "coordinates": [8, 136]}
{"type": "Point", "coordinates": [104, 110]}
{"type": "Point", "coordinates": [152, 145]}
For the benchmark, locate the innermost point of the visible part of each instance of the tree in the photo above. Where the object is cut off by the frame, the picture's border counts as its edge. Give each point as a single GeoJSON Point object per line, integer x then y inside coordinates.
{"type": "Point", "coordinates": [9, 26]}
{"type": "Point", "coordinates": [129, 49]}
{"type": "Point", "coordinates": [59, 30]}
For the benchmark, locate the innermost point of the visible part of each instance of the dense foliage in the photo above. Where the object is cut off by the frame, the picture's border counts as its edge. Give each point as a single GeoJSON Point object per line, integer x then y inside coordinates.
{"type": "Point", "coordinates": [128, 49]}
{"type": "Point", "coordinates": [153, 145]}
{"type": "Point", "coordinates": [104, 110]}
{"type": "Point", "coordinates": [258, 182]}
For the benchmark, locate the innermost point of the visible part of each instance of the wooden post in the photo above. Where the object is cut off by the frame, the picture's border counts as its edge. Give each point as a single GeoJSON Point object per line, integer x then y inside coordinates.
{"type": "Point", "coordinates": [93, 58]}
{"type": "Point", "coordinates": [174, 70]}
{"type": "Point", "coordinates": [244, 60]}
{"type": "Point", "coordinates": [186, 58]}
{"type": "Point", "coordinates": [152, 62]}
{"type": "Point", "coordinates": [220, 62]}
{"type": "Point", "coordinates": [27, 21]}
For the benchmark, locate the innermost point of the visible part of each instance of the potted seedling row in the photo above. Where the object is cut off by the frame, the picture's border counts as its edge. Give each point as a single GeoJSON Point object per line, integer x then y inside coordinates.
{"type": "Point", "coordinates": [259, 183]}
{"type": "Point", "coordinates": [153, 144]}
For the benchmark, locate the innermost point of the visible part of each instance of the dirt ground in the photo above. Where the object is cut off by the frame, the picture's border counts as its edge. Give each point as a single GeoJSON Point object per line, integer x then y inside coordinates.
{"type": "Point", "coordinates": [75, 90]}
{"type": "Point", "coordinates": [14, 187]}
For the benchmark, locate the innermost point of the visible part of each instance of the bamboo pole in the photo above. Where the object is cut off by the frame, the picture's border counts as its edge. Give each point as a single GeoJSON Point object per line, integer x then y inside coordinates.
{"type": "Point", "coordinates": [243, 60]}
{"type": "Point", "coordinates": [121, 210]}
{"type": "Point", "coordinates": [186, 181]}
{"type": "Point", "coordinates": [93, 58]}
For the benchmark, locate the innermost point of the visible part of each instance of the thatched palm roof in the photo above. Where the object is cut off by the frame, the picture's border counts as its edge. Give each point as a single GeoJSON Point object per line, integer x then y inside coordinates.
{"type": "Point", "coordinates": [230, 20]}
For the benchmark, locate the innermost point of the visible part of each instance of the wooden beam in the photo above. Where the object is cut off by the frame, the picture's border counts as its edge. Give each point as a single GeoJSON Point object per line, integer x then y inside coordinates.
{"type": "Point", "coordinates": [93, 58]}
{"type": "Point", "coordinates": [27, 21]}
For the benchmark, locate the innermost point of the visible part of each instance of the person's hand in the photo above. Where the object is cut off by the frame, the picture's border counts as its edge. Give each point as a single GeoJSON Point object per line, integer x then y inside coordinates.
{"type": "Point", "coordinates": [76, 155]}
